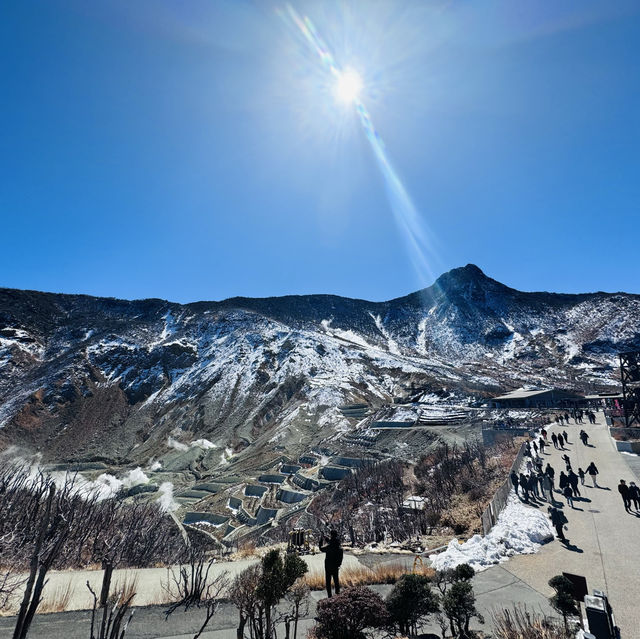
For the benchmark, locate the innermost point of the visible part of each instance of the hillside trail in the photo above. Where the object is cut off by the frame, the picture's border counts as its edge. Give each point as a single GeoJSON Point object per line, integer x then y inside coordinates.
{"type": "Point", "coordinates": [603, 538]}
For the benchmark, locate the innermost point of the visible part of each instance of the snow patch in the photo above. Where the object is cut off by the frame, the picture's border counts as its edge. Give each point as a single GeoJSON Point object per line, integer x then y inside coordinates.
{"type": "Point", "coordinates": [520, 530]}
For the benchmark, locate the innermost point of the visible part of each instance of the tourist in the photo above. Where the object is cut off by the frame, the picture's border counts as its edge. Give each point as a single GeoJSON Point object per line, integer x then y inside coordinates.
{"type": "Point", "coordinates": [543, 432]}
{"type": "Point", "coordinates": [623, 489]}
{"type": "Point", "coordinates": [567, 461]}
{"type": "Point", "coordinates": [541, 444]}
{"type": "Point", "coordinates": [592, 471]}
{"type": "Point", "coordinates": [514, 481]}
{"type": "Point", "coordinates": [533, 485]}
{"type": "Point", "coordinates": [558, 520]}
{"type": "Point", "coordinates": [540, 480]}
{"type": "Point", "coordinates": [566, 418]}
{"type": "Point", "coordinates": [535, 446]}
{"type": "Point", "coordinates": [558, 419]}
{"type": "Point", "coordinates": [561, 441]}
{"type": "Point", "coordinates": [573, 482]}
{"type": "Point", "coordinates": [566, 437]}
{"type": "Point", "coordinates": [524, 486]}
{"type": "Point", "coordinates": [568, 493]}
{"type": "Point", "coordinates": [547, 484]}
{"type": "Point", "coordinates": [581, 475]}
{"type": "Point", "coordinates": [554, 439]}
{"type": "Point", "coordinates": [332, 561]}
{"type": "Point", "coordinates": [634, 495]}
{"type": "Point", "coordinates": [584, 437]}
{"type": "Point", "coordinates": [550, 473]}
{"type": "Point", "coordinates": [562, 481]}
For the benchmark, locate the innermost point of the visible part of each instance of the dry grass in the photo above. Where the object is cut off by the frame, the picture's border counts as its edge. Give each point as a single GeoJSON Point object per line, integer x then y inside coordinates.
{"type": "Point", "coordinates": [519, 623]}
{"type": "Point", "coordinates": [125, 588]}
{"type": "Point", "coordinates": [57, 600]}
{"type": "Point", "coordinates": [245, 551]}
{"type": "Point", "coordinates": [387, 573]}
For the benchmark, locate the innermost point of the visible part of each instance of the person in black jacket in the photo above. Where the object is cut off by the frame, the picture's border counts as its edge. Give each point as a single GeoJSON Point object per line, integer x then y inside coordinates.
{"type": "Point", "coordinates": [634, 495]}
{"type": "Point", "coordinates": [558, 520]}
{"type": "Point", "coordinates": [623, 489]}
{"type": "Point", "coordinates": [332, 562]}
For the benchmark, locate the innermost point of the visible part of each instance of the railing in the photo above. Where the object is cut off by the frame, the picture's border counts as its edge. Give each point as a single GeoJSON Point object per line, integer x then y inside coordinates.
{"type": "Point", "coordinates": [499, 501]}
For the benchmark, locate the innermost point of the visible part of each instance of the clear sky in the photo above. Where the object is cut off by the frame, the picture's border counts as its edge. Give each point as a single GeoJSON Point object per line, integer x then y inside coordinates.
{"type": "Point", "coordinates": [192, 150]}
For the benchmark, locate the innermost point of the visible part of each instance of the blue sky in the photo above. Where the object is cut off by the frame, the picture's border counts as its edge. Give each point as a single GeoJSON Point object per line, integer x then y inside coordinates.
{"type": "Point", "coordinates": [192, 150]}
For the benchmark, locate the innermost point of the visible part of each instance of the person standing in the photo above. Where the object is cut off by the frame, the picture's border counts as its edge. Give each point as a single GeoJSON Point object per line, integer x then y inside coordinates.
{"type": "Point", "coordinates": [567, 461]}
{"type": "Point", "coordinates": [554, 439]}
{"type": "Point", "coordinates": [558, 520]}
{"type": "Point", "coordinates": [592, 471]}
{"type": "Point", "coordinates": [566, 437]}
{"type": "Point", "coordinates": [542, 444]}
{"type": "Point", "coordinates": [332, 562]}
{"type": "Point", "coordinates": [561, 441]}
{"type": "Point", "coordinates": [623, 489]}
{"type": "Point", "coordinates": [540, 479]}
{"type": "Point", "coordinates": [514, 481]}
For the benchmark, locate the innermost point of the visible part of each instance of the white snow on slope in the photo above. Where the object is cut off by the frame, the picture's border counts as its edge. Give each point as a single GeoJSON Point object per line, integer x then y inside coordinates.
{"type": "Point", "coordinates": [520, 531]}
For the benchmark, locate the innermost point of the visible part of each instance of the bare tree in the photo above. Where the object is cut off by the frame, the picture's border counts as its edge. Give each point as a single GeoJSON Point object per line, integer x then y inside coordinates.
{"type": "Point", "coordinates": [192, 587]}
{"type": "Point", "coordinates": [111, 626]}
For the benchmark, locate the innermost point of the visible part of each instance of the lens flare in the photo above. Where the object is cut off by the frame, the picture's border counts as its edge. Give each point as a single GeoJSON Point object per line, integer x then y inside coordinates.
{"type": "Point", "coordinates": [347, 88]}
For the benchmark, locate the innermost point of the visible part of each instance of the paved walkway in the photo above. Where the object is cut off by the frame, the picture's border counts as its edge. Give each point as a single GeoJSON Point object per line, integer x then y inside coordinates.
{"type": "Point", "coordinates": [603, 538]}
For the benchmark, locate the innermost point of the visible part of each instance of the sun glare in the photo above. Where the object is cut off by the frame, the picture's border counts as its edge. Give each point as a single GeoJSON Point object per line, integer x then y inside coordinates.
{"type": "Point", "coordinates": [348, 86]}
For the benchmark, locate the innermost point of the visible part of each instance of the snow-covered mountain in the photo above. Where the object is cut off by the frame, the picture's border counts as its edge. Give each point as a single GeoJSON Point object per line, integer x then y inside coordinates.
{"type": "Point", "coordinates": [89, 378]}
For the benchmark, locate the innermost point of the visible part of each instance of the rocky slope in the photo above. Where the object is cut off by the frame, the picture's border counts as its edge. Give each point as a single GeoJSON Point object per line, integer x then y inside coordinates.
{"type": "Point", "coordinates": [93, 378]}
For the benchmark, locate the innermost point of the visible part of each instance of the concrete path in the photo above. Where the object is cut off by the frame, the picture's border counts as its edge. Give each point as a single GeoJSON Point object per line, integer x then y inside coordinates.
{"type": "Point", "coordinates": [603, 538]}
{"type": "Point", "coordinates": [152, 583]}
{"type": "Point", "coordinates": [495, 589]}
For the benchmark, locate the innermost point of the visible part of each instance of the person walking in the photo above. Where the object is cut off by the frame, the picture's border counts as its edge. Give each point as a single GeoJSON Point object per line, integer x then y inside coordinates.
{"type": "Point", "coordinates": [554, 439]}
{"type": "Point", "coordinates": [558, 521]}
{"type": "Point", "coordinates": [584, 437]}
{"type": "Point", "coordinates": [550, 473]}
{"type": "Point", "coordinates": [540, 479]}
{"type": "Point", "coordinates": [567, 461]}
{"type": "Point", "coordinates": [332, 562]}
{"type": "Point", "coordinates": [514, 481]}
{"type": "Point", "coordinates": [566, 418]}
{"type": "Point", "coordinates": [533, 485]}
{"type": "Point", "coordinates": [568, 494]}
{"type": "Point", "coordinates": [592, 471]}
{"type": "Point", "coordinates": [581, 475]}
{"type": "Point", "coordinates": [623, 489]}
{"type": "Point", "coordinates": [634, 495]}
{"type": "Point", "coordinates": [573, 482]}
{"type": "Point", "coordinates": [566, 437]}
{"type": "Point", "coordinates": [535, 447]}
{"type": "Point", "coordinates": [561, 441]}
{"type": "Point", "coordinates": [524, 486]}
{"type": "Point", "coordinates": [548, 487]}
{"type": "Point", "coordinates": [543, 432]}
{"type": "Point", "coordinates": [541, 444]}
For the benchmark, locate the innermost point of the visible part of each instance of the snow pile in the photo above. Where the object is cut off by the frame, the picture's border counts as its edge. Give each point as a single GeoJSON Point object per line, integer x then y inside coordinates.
{"type": "Point", "coordinates": [154, 465]}
{"type": "Point", "coordinates": [166, 500]}
{"type": "Point", "coordinates": [520, 531]}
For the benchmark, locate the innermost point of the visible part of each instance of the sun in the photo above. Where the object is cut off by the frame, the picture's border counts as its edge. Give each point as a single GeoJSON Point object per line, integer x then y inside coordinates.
{"type": "Point", "coordinates": [348, 86]}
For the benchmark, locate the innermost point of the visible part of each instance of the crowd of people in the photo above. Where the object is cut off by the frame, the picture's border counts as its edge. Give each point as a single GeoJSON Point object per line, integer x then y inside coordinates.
{"type": "Point", "coordinates": [539, 483]}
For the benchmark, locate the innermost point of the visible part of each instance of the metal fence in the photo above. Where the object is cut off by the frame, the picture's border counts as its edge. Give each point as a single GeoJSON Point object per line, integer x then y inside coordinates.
{"type": "Point", "coordinates": [499, 501]}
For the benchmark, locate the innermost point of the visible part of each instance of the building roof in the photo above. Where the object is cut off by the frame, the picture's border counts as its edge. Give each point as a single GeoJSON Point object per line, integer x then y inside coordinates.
{"type": "Point", "coordinates": [605, 396]}
{"type": "Point", "coordinates": [524, 394]}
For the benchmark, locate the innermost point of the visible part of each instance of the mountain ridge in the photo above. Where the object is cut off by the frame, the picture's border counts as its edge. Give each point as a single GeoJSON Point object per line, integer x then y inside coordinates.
{"type": "Point", "coordinates": [81, 374]}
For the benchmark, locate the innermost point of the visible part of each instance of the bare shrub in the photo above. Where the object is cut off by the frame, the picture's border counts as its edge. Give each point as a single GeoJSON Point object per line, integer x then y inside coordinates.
{"type": "Point", "coordinates": [519, 623]}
